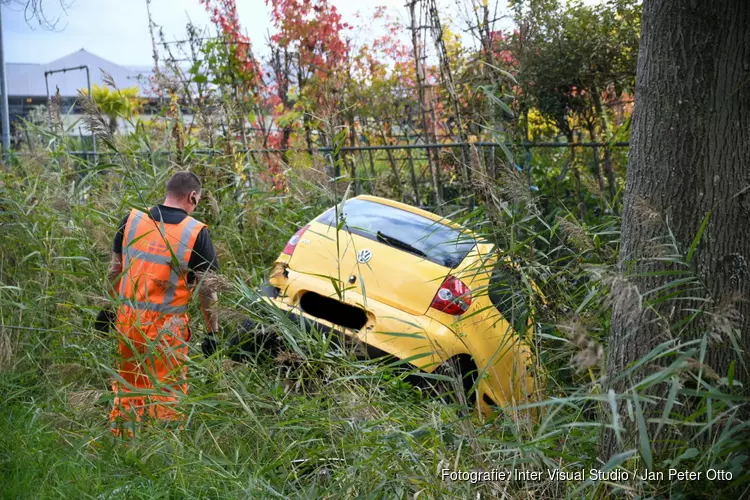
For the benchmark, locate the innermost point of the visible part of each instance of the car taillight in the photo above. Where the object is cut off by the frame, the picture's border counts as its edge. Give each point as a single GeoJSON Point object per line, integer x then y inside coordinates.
{"type": "Point", "coordinates": [292, 243]}
{"type": "Point", "coordinates": [453, 297]}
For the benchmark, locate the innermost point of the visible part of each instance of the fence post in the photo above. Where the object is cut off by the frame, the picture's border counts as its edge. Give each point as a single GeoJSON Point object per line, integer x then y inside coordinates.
{"type": "Point", "coordinates": [413, 176]}
{"type": "Point", "coordinates": [437, 181]}
{"type": "Point", "coordinates": [349, 159]}
{"type": "Point", "coordinates": [4, 114]}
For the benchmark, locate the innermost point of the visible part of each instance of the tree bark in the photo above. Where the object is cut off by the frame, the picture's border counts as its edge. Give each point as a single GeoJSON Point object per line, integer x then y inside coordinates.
{"type": "Point", "coordinates": [689, 155]}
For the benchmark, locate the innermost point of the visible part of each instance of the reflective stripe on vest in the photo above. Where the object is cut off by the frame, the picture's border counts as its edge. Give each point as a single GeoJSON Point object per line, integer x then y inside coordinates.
{"type": "Point", "coordinates": [150, 306]}
{"type": "Point", "coordinates": [181, 252]}
{"type": "Point", "coordinates": [152, 266]}
{"type": "Point", "coordinates": [126, 248]}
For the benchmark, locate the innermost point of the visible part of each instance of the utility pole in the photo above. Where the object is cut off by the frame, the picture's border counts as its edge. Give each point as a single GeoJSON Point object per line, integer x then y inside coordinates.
{"type": "Point", "coordinates": [5, 122]}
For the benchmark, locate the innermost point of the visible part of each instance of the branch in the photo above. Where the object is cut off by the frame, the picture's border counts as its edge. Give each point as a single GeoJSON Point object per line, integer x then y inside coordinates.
{"type": "Point", "coordinates": [34, 9]}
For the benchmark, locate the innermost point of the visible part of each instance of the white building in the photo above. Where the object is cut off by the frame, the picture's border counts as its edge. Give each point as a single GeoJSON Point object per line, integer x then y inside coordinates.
{"type": "Point", "coordinates": [28, 85]}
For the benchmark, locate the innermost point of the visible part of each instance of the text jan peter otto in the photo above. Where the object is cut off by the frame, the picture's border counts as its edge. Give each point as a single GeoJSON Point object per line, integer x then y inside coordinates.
{"type": "Point", "coordinates": [618, 475]}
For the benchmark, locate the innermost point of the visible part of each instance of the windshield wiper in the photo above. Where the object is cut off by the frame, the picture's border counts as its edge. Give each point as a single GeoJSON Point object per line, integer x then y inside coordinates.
{"type": "Point", "coordinates": [400, 244]}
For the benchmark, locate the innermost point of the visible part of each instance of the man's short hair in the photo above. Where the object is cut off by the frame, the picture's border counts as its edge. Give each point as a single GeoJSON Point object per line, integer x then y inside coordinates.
{"type": "Point", "coordinates": [182, 184]}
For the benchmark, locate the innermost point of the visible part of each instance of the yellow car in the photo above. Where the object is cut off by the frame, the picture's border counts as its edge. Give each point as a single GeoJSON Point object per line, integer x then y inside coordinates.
{"type": "Point", "coordinates": [408, 283]}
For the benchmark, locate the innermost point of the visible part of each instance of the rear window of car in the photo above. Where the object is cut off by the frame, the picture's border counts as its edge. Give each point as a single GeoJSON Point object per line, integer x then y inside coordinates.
{"type": "Point", "coordinates": [439, 243]}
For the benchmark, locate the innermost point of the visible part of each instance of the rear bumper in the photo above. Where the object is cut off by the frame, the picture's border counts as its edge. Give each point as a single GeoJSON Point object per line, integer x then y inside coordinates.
{"type": "Point", "coordinates": [307, 322]}
{"type": "Point", "coordinates": [359, 344]}
{"type": "Point", "coordinates": [421, 341]}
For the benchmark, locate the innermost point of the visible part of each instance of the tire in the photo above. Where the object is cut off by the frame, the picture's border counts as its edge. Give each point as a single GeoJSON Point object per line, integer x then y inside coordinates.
{"type": "Point", "coordinates": [507, 295]}
{"type": "Point", "coordinates": [463, 373]}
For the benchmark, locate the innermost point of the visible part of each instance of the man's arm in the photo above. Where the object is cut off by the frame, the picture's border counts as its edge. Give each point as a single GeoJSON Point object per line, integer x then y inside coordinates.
{"type": "Point", "coordinates": [114, 273]}
{"type": "Point", "coordinates": [106, 318]}
{"type": "Point", "coordinates": [115, 261]}
{"type": "Point", "coordinates": [203, 263]}
{"type": "Point", "coordinates": [209, 299]}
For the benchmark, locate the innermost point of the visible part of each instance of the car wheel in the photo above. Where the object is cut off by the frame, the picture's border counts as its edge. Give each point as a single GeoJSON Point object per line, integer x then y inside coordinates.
{"type": "Point", "coordinates": [506, 292]}
{"type": "Point", "coordinates": [458, 390]}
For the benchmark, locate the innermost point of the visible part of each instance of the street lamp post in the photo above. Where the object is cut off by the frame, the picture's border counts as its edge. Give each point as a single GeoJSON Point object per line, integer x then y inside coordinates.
{"type": "Point", "coordinates": [5, 123]}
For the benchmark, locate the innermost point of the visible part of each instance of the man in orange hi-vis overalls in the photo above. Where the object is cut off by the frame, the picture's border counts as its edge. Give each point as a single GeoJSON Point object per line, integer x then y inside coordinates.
{"type": "Point", "coordinates": [155, 257]}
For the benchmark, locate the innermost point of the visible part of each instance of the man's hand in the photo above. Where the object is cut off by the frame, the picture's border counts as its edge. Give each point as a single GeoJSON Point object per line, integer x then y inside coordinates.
{"type": "Point", "coordinates": [209, 344]}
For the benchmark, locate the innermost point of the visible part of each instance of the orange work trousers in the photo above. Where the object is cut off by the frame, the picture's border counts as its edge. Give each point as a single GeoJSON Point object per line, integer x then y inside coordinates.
{"type": "Point", "coordinates": [152, 373]}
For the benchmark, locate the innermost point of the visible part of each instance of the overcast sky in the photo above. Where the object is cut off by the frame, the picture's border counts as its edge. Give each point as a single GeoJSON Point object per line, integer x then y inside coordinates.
{"type": "Point", "coordinates": [118, 29]}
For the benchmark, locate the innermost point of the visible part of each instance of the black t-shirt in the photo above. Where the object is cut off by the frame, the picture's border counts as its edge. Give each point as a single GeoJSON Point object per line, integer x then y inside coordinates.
{"type": "Point", "coordinates": [203, 257]}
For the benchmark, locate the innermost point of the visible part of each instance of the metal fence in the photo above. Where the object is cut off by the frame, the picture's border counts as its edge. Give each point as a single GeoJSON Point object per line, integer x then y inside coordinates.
{"type": "Point", "coordinates": [418, 173]}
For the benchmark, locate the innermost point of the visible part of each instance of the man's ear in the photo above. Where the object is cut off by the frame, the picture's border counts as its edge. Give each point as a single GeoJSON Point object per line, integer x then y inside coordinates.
{"type": "Point", "coordinates": [193, 197]}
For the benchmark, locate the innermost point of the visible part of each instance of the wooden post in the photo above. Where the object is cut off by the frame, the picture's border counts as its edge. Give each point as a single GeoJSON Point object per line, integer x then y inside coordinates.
{"type": "Point", "coordinates": [392, 162]}
{"type": "Point", "coordinates": [413, 173]}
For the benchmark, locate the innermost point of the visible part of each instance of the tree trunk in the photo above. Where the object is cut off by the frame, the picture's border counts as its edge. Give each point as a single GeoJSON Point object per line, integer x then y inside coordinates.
{"type": "Point", "coordinates": [689, 155]}
{"type": "Point", "coordinates": [432, 158]}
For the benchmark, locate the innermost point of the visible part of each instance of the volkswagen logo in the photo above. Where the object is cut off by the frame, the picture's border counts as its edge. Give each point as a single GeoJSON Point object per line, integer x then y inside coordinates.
{"type": "Point", "coordinates": [364, 256]}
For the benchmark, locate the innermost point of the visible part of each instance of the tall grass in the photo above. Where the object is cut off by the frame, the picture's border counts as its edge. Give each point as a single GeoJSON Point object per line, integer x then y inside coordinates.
{"type": "Point", "coordinates": [312, 420]}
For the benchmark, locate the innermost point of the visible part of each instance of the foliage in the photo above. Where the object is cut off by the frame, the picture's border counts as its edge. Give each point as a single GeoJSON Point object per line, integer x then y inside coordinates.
{"type": "Point", "coordinates": [570, 55]}
{"type": "Point", "coordinates": [313, 420]}
{"type": "Point", "coordinates": [241, 62]}
{"type": "Point", "coordinates": [116, 103]}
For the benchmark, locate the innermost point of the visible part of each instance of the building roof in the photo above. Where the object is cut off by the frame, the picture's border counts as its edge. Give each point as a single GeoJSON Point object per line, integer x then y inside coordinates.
{"type": "Point", "coordinates": [27, 80]}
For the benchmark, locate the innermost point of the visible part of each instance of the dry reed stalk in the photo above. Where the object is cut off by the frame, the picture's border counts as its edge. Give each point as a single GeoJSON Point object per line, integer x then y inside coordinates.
{"type": "Point", "coordinates": [83, 402]}
{"type": "Point", "coordinates": [94, 119]}
{"type": "Point", "coordinates": [590, 353]}
{"type": "Point", "coordinates": [575, 235]}
{"type": "Point", "coordinates": [6, 350]}
{"type": "Point", "coordinates": [213, 282]}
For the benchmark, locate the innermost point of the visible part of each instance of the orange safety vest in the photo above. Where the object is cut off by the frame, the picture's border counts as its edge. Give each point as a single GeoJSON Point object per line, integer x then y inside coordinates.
{"type": "Point", "coordinates": [152, 320]}
{"type": "Point", "coordinates": [155, 266]}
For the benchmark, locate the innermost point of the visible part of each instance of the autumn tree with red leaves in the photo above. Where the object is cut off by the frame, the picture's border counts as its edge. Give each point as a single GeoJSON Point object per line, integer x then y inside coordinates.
{"type": "Point", "coordinates": [311, 58]}
{"type": "Point", "coordinates": [240, 73]}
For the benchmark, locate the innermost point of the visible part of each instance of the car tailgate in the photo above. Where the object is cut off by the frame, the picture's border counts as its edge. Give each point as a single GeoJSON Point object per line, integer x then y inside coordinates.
{"type": "Point", "coordinates": [392, 276]}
